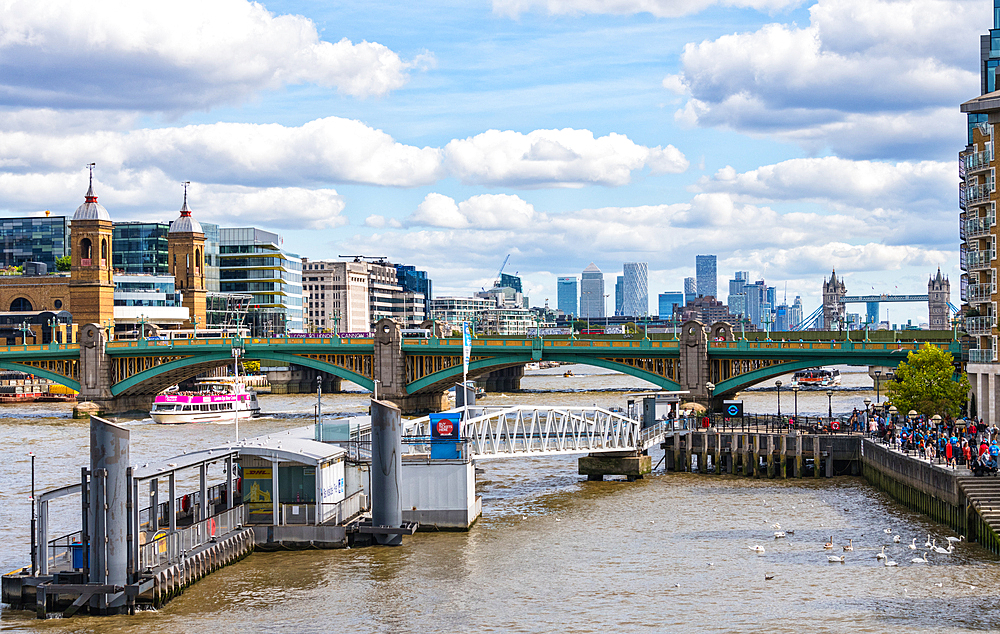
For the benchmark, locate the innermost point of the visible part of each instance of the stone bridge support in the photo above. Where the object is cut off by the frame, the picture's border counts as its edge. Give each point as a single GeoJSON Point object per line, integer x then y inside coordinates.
{"type": "Point", "coordinates": [389, 369]}
{"type": "Point", "coordinates": [95, 379]}
{"type": "Point", "coordinates": [298, 379]}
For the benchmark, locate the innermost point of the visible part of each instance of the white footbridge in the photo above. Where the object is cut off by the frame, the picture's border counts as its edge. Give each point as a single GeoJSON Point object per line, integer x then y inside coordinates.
{"type": "Point", "coordinates": [505, 432]}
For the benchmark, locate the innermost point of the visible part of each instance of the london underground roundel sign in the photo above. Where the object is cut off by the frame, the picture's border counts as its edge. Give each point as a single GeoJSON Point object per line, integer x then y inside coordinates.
{"type": "Point", "coordinates": [733, 410]}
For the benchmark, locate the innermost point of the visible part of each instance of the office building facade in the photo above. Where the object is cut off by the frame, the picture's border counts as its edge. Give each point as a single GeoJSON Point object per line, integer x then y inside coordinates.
{"type": "Point", "coordinates": [140, 248]}
{"type": "Point", "coordinates": [592, 293]}
{"type": "Point", "coordinates": [705, 274]}
{"type": "Point", "coordinates": [567, 292]}
{"type": "Point", "coordinates": [690, 289]}
{"type": "Point", "coordinates": [35, 239]}
{"type": "Point", "coordinates": [669, 302]}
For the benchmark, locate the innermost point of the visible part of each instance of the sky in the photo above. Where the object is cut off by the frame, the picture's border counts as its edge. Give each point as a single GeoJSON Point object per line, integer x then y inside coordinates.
{"type": "Point", "coordinates": [788, 138]}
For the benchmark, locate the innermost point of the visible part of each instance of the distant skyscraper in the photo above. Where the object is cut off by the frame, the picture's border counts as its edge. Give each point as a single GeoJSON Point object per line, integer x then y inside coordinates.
{"type": "Point", "coordinates": [737, 299]}
{"type": "Point", "coordinates": [690, 289]}
{"type": "Point", "coordinates": [636, 293]}
{"type": "Point", "coordinates": [592, 292]}
{"type": "Point", "coordinates": [667, 302]}
{"type": "Point", "coordinates": [567, 296]}
{"type": "Point", "coordinates": [704, 266]}
{"type": "Point", "coordinates": [795, 313]}
{"type": "Point", "coordinates": [619, 295]}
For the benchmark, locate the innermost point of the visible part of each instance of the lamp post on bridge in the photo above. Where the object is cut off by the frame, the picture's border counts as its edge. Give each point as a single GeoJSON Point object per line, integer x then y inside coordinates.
{"type": "Point", "coordinates": [777, 385]}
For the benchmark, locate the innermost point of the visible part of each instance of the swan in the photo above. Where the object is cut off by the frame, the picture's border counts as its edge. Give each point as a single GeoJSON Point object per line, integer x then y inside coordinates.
{"type": "Point", "coordinates": [895, 539]}
{"type": "Point", "coordinates": [928, 544]}
{"type": "Point", "coordinates": [757, 549]}
{"type": "Point", "coordinates": [913, 544]}
{"type": "Point", "coordinates": [919, 560]}
{"type": "Point", "coordinates": [829, 544]}
{"type": "Point", "coordinates": [835, 560]}
{"type": "Point", "coordinates": [776, 526]}
{"type": "Point", "coordinates": [955, 540]}
{"type": "Point", "coordinates": [887, 531]}
{"type": "Point", "coordinates": [944, 551]}
{"type": "Point", "coordinates": [850, 547]}
{"type": "Point", "coordinates": [890, 564]}
{"type": "Point", "coordinates": [779, 535]}
{"type": "Point", "coordinates": [880, 556]}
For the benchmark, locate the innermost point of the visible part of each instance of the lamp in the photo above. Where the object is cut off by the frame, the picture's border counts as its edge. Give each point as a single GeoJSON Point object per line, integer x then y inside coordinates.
{"type": "Point", "coordinates": [777, 385]}
{"type": "Point", "coordinates": [829, 403]}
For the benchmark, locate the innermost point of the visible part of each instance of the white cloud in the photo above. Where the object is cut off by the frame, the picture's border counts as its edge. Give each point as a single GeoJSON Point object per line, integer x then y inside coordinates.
{"type": "Point", "coordinates": [487, 211]}
{"type": "Point", "coordinates": [182, 55]}
{"type": "Point", "coordinates": [150, 195]}
{"type": "Point", "coordinates": [842, 184]}
{"type": "Point", "coordinates": [556, 158]}
{"type": "Point", "coordinates": [658, 8]}
{"type": "Point", "coordinates": [378, 221]}
{"type": "Point", "coordinates": [864, 78]}
{"type": "Point", "coordinates": [330, 150]}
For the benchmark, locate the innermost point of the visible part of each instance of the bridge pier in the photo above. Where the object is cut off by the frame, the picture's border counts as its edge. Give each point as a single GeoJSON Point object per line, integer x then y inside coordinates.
{"type": "Point", "coordinates": [389, 369]}
{"type": "Point", "coordinates": [503, 380]}
{"type": "Point", "coordinates": [817, 457]}
{"type": "Point", "coordinates": [797, 450]}
{"type": "Point", "coordinates": [631, 464]}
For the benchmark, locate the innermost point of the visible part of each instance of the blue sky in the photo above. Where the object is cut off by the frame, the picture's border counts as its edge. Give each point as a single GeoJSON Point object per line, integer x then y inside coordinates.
{"type": "Point", "coordinates": [786, 137]}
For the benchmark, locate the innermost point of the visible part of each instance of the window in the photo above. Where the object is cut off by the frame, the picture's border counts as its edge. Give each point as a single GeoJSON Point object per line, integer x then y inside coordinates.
{"type": "Point", "coordinates": [85, 249]}
{"type": "Point", "coordinates": [104, 250]}
{"type": "Point", "coordinates": [20, 305]}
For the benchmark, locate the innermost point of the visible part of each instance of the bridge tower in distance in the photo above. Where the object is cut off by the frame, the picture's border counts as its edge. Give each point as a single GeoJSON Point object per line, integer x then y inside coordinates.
{"type": "Point", "coordinates": [938, 295]}
{"type": "Point", "coordinates": [91, 285]}
{"type": "Point", "coordinates": [833, 308]}
{"type": "Point", "coordinates": [185, 254]}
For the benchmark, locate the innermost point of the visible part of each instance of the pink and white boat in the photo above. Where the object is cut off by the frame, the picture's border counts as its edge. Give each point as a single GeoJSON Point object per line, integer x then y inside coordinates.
{"type": "Point", "coordinates": [214, 402]}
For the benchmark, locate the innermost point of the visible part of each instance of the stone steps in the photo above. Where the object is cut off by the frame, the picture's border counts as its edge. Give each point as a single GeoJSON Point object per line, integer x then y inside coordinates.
{"type": "Point", "coordinates": [984, 494]}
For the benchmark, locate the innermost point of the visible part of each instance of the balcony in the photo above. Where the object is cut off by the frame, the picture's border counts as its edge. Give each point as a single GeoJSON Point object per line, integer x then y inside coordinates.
{"type": "Point", "coordinates": [977, 260]}
{"type": "Point", "coordinates": [961, 196]}
{"type": "Point", "coordinates": [978, 293]}
{"type": "Point", "coordinates": [977, 162]}
{"type": "Point", "coordinates": [983, 325]}
{"type": "Point", "coordinates": [978, 227]}
{"type": "Point", "coordinates": [985, 355]}
{"type": "Point", "coordinates": [978, 194]}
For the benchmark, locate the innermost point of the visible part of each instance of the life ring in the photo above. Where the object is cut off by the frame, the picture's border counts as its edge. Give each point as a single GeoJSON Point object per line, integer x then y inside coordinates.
{"type": "Point", "coordinates": [835, 426]}
{"type": "Point", "coordinates": [186, 503]}
{"type": "Point", "coordinates": [211, 527]}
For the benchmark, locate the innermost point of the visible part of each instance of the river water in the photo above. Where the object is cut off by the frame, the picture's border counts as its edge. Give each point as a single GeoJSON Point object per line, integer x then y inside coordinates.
{"type": "Point", "coordinates": [552, 552]}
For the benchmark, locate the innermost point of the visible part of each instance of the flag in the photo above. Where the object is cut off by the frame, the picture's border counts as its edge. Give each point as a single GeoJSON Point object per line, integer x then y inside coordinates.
{"type": "Point", "coordinates": [466, 347]}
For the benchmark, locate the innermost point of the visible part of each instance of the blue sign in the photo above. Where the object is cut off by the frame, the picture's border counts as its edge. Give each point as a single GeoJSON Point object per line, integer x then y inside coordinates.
{"type": "Point", "coordinates": [446, 436]}
{"type": "Point", "coordinates": [733, 409]}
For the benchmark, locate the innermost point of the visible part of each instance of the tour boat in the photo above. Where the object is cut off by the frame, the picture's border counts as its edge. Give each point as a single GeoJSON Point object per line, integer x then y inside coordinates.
{"type": "Point", "coordinates": [816, 377]}
{"type": "Point", "coordinates": [214, 402]}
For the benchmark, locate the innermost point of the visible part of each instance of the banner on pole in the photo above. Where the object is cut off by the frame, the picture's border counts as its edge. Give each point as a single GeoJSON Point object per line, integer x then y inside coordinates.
{"type": "Point", "coordinates": [466, 347]}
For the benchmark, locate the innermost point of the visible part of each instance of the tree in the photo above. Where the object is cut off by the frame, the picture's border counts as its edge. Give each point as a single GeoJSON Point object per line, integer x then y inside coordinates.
{"type": "Point", "coordinates": [251, 367]}
{"type": "Point", "coordinates": [926, 382]}
{"type": "Point", "coordinates": [64, 263]}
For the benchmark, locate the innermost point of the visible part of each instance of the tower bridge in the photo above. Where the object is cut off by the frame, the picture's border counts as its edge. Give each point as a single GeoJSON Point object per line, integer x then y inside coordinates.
{"type": "Point", "coordinates": [415, 373]}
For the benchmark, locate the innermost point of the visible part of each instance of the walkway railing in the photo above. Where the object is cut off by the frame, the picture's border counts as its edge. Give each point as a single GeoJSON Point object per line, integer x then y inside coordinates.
{"type": "Point", "coordinates": [165, 547]}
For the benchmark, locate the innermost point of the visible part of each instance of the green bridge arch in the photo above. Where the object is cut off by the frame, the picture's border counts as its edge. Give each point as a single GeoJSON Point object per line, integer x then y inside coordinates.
{"type": "Point", "coordinates": [46, 374]}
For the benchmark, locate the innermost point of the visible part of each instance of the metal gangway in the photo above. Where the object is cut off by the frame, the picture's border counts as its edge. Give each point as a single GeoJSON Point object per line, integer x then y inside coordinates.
{"type": "Point", "coordinates": [527, 430]}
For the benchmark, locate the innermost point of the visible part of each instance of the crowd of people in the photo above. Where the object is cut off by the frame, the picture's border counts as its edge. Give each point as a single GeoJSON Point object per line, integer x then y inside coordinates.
{"type": "Point", "coordinates": [952, 442]}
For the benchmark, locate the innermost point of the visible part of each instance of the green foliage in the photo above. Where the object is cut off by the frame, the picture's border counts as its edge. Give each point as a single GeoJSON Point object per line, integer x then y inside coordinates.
{"type": "Point", "coordinates": [251, 367]}
{"type": "Point", "coordinates": [64, 263]}
{"type": "Point", "coordinates": [580, 324]}
{"type": "Point", "coordinates": [926, 382]}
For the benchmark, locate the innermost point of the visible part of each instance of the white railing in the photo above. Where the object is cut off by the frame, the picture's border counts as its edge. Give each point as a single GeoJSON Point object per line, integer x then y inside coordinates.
{"type": "Point", "coordinates": [978, 194]}
{"type": "Point", "coordinates": [978, 227]}
{"type": "Point", "coordinates": [982, 325]}
{"type": "Point", "coordinates": [984, 355]}
{"type": "Point", "coordinates": [165, 546]}
{"type": "Point", "coordinates": [538, 431]}
{"type": "Point", "coordinates": [979, 259]}
{"type": "Point", "coordinates": [976, 161]}
{"type": "Point", "coordinates": [979, 293]}
{"type": "Point", "coordinates": [334, 513]}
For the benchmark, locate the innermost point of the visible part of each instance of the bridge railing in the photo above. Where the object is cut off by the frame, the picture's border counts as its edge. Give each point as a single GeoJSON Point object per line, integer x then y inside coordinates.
{"type": "Point", "coordinates": [527, 430]}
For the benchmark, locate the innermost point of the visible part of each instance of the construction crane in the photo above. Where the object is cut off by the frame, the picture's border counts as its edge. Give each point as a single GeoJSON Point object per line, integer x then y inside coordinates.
{"type": "Point", "coordinates": [496, 284]}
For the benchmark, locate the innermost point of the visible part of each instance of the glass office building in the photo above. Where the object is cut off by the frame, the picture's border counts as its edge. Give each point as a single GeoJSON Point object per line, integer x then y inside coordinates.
{"type": "Point", "coordinates": [41, 239]}
{"type": "Point", "coordinates": [668, 301]}
{"type": "Point", "coordinates": [251, 261]}
{"type": "Point", "coordinates": [140, 248]}
{"type": "Point", "coordinates": [705, 274]}
{"type": "Point", "coordinates": [568, 293]}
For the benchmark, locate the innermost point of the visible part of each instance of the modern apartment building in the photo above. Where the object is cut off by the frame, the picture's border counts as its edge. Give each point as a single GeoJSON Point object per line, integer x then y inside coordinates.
{"type": "Point", "coordinates": [636, 289]}
{"type": "Point", "coordinates": [690, 289]}
{"type": "Point", "coordinates": [252, 261]}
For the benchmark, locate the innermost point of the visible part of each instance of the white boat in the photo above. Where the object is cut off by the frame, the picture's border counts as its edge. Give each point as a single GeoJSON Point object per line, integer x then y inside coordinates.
{"type": "Point", "coordinates": [214, 402]}
{"type": "Point", "coordinates": [816, 377]}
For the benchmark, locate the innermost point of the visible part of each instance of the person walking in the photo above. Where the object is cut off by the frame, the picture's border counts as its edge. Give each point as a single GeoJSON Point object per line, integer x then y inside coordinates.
{"type": "Point", "coordinates": [948, 454]}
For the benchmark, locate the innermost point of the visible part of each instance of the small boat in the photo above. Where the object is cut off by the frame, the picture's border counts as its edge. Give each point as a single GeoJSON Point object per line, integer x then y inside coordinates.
{"type": "Point", "coordinates": [214, 401]}
{"type": "Point", "coordinates": [816, 377]}
{"type": "Point", "coordinates": [568, 373]}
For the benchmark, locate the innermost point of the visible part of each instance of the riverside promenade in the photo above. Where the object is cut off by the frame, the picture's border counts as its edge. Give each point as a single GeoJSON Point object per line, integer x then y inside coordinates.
{"type": "Point", "coordinates": [969, 505]}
